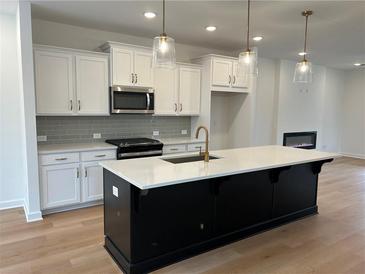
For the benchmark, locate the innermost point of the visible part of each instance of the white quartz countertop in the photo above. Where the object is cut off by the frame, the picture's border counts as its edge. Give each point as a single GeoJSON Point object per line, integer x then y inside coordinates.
{"type": "Point", "coordinates": [74, 147]}
{"type": "Point", "coordinates": [146, 173]}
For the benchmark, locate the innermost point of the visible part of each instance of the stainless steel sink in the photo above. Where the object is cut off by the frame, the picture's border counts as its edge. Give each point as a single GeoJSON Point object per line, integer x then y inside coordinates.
{"type": "Point", "coordinates": [187, 159]}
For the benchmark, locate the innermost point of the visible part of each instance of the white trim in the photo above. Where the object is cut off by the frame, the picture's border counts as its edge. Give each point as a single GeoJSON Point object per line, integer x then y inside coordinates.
{"type": "Point", "coordinates": [358, 156]}
{"type": "Point", "coordinates": [32, 216]}
{"type": "Point", "coordinates": [11, 204]}
{"type": "Point", "coordinates": [72, 207]}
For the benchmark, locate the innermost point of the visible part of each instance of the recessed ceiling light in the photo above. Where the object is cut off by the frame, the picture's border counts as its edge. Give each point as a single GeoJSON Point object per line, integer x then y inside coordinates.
{"type": "Point", "coordinates": [149, 14]}
{"type": "Point", "coordinates": [258, 38]}
{"type": "Point", "coordinates": [211, 28]}
{"type": "Point", "coordinates": [357, 64]}
{"type": "Point", "coordinates": [302, 53]}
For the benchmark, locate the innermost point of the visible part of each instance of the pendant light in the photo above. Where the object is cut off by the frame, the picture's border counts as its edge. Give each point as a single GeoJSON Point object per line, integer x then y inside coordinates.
{"type": "Point", "coordinates": [163, 47]}
{"type": "Point", "coordinates": [248, 59]}
{"type": "Point", "coordinates": [303, 69]}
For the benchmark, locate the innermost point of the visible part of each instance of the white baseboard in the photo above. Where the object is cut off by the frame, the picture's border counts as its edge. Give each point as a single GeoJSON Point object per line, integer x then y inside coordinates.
{"type": "Point", "coordinates": [358, 156]}
{"type": "Point", "coordinates": [32, 216]}
{"type": "Point", "coordinates": [11, 204]}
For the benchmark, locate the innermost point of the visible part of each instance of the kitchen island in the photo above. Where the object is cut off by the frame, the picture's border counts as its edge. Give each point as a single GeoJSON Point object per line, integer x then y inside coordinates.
{"type": "Point", "coordinates": [157, 212]}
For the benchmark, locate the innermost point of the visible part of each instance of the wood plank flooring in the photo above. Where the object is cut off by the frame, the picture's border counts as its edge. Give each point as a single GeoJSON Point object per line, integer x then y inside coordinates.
{"type": "Point", "coordinates": [329, 243]}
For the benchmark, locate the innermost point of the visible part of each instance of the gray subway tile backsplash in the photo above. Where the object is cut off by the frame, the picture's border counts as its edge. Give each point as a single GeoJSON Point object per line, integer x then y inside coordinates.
{"type": "Point", "coordinates": [78, 129]}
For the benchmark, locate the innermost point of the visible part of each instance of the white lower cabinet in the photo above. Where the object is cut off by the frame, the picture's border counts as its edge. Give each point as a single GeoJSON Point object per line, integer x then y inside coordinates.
{"type": "Point", "coordinates": [68, 182]}
{"type": "Point", "coordinates": [60, 185]}
{"type": "Point", "coordinates": [92, 182]}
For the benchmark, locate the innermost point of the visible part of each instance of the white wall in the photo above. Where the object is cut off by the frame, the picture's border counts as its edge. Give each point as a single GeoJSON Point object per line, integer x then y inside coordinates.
{"type": "Point", "coordinates": [353, 129]}
{"type": "Point", "coordinates": [332, 110]}
{"type": "Point", "coordinates": [265, 99]}
{"type": "Point", "coordinates": [12, 137]}
{"type": "Point", "coordinates": [63, 35]}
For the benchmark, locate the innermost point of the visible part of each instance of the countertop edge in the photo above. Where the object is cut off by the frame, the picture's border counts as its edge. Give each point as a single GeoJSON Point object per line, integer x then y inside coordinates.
{"type": "Point", "coordinates": [168, 183]}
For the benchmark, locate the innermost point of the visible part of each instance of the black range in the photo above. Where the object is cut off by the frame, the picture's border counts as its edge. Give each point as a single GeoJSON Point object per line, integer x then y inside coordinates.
{"type": "Point", "coordinates": [136, 147]}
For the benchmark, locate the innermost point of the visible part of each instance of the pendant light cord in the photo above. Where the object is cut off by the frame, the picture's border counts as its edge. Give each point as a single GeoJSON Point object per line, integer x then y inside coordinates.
{"type": "Point", "coordinates": [248, 25]}
{"type": "Point", "coordinates": [306, 13]}
{"type": "Point", "coordinates": [305, 37]}
{"type": "Point", "coordinates": [163, 18]}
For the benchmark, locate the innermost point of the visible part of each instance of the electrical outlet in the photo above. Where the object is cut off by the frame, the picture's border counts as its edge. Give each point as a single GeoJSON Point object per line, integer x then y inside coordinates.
{"type": "Point", "coordinates": [97, 135]}
{"type": "Point", "coordinates": [42, 138]}
{"type": "Point", "coordinates": [184, 131]}
{"type": "Point", "coordinates": [155, 133]}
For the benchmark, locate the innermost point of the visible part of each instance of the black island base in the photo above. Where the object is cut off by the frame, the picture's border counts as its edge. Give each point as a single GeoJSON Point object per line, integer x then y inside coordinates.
{"type": "Point", "coordinates": [148, 229]}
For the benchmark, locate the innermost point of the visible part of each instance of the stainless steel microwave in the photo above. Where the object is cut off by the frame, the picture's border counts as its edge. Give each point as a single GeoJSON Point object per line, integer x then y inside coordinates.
{"type": "Point", "coordinates": [125, 99]}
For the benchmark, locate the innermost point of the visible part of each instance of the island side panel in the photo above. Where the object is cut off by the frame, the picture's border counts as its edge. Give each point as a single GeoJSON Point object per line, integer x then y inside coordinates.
{"type": "Point", "coordinates": [117, 217]}
{"type": "Point", "coordinates": [296, 190]}
{"type": "Point", "coordinates": [169, 218]}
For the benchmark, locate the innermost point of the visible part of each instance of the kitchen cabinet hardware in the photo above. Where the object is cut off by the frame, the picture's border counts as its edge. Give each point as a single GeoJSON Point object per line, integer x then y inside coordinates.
{"type": "Point", "coordinates": [136, 78]}
{"type": "Point", "coordinates": [78, 173]}
{"type": "Point", "coordinates": [180, 107]}
{"type": "Point", "coordinates": [175, 107]}
{"type": "Point", "coordinates": [229, 79]}
{"type": "Point", "coordinates": [234, 80]}
{"type": "Point", "coordinates": [79, 104]}
{"type": "Point", "coordinates": [71, 105]}
{"type": "Point", "coordinates": [132, 78]}
{"type": "Point", "coordinates": [61, 159]}
{"type": "Point", "coordinates": [85, 172]}
{"type": "Point", "coordinates": [100, 155]}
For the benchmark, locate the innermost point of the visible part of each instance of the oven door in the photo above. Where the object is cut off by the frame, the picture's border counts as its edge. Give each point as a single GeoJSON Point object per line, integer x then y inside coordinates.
{"type": "Point", "coordinates": [131, 101]}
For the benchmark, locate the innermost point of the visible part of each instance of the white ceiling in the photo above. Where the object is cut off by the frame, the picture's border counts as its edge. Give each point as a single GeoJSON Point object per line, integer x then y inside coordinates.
{"type": "Point", "coordinates": [336, 30]}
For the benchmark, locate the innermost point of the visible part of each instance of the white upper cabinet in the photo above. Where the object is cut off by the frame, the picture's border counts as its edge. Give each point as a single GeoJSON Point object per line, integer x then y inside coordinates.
{"type": "Point", "coordinates": [71, 82]}
{"type": "Point", "coordinates": [239, 80]}
{"type": "Point", "coordinates": [221, 72]}
{"type": "Point", "coordinates": [130, 65]}
{"type": "Point", "coordinates": [166, 97]}
{"type": "Point", "coordinates": [122, 67]}
{"type": "Point", "coordinates": [189, 90]}
{"type": "Point", "coordinates": [54, 83]}
{"type": "Point", "coordinates": [177, 92]}
{"type": "Point", "coordinates": [226, 75]}
{"type": "Point", "coordinates": [143, 72]}
{"type": "Point", "coordinates": [92, 85]}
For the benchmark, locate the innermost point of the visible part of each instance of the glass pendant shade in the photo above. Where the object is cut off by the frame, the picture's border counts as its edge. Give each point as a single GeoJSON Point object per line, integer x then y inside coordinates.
{"type": "Point", "coordinates": [164, 52]}
{"type": "Point", "coordinates": [303, 72]}
{"type": "Point", "coordinates": [247, 63]}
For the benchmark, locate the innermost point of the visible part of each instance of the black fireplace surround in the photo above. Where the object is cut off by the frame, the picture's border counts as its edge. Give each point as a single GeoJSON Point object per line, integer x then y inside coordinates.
{"type": "Point", "coordinates": [305, 140]}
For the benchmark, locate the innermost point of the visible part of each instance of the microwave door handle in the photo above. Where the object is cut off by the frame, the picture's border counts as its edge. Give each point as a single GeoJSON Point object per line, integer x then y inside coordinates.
{"type": "Point", "coordinates": [148, 101]}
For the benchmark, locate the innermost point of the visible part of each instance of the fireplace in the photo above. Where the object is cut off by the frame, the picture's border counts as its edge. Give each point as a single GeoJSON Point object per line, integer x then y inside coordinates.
{"type": "Point", "coordinates": [305, 140]}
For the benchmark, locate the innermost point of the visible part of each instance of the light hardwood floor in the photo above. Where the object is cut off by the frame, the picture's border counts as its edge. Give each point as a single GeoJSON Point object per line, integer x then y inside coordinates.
{"type": "Point", "coordinates": [329, 243]}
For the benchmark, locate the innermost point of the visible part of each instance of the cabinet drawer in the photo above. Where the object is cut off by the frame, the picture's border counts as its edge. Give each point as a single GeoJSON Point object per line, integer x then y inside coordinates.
{"type": "Point", "coordinates": [59, 158]}
{"type": "Point", "coordinates": [174, 149]}
{"type": "Point", "coordinates": [196, 147]}
{"type": "Point", "coordinates": [98, 155]}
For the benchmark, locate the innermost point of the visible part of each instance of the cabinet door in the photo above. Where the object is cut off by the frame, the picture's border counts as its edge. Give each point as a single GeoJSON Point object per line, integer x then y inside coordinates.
{"type": "Point", "coordinates": [143, 69]}
{"type": "Point", "coordinates": [221, 72]}
{"type": "Point", "coordinates": [296, 190]}
{"type": "Point", "coordinates": [242, 200]}
{"type": "Point", "coordinates": [165, 91]}
{"type": "Point", "coordinates": [158, 227]}
{"type": "Point", "coordinates": [60, 185]}
{"type": "Point", "coordinates": [122, 66]}
{"type": "Point", "coordinates": [54, 83]}
{"type": "Point", "coordinates": [189, 91]}
{"type": "Point", "coordinates": [92, 181]}
{"type": "Point", "coordinates": [239, 78]}
{"type": "Point", "coordinates": [92, 85]}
